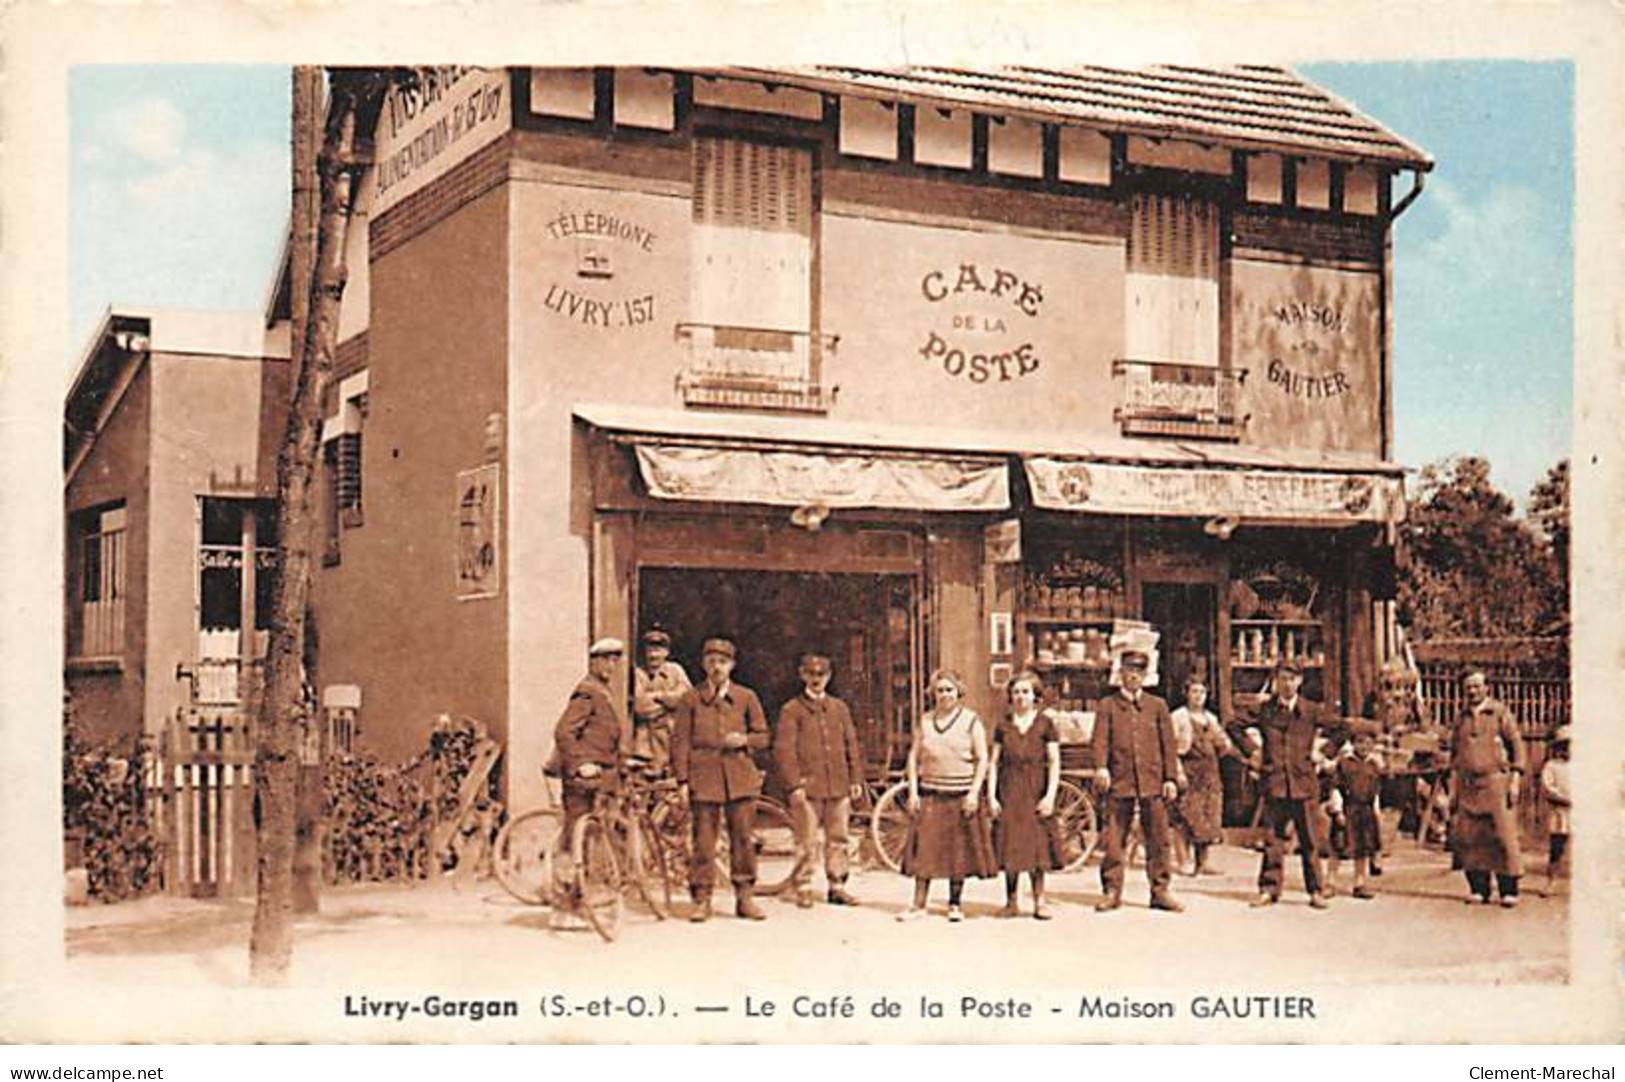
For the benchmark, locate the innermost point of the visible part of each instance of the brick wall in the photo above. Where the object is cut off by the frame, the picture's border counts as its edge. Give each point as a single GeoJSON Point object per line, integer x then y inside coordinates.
{"type": "Point", "coordinates": [1314, 237]}
{"type": "Point", "coordinates": [484, 170]}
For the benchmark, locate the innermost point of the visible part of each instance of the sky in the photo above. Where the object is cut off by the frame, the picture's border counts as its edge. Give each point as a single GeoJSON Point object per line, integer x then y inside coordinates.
{"type": "Point", "coordinates": [179, 196]}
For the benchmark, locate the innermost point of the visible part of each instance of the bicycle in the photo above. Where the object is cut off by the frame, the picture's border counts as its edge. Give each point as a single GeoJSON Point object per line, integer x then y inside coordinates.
{"type": "Point", "coordinates": [1074, 813]}
{"type": "Point", "coordinates": [613, 846]}
{"type": "Point", "coordinates": [526, 850]}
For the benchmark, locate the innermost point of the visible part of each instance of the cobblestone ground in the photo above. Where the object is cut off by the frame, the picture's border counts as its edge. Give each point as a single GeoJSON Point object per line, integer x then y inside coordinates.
{"type": "Point", "coordinates": [1417, 930]}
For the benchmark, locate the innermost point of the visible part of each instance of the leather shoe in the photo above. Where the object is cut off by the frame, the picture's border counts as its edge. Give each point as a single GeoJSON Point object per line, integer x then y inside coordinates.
{"type": "Point", "coordinates": [1318, 901]}
{"type": "Point", "coordinates": [1263, 900]}
{"type": "Point", "coordinates": [747, 909]}
{"type": "Point", "coordinates": [839, 896]}
{"type": "Point", "coordinates": [701, 911]}
{"type": "Point", "coordinates": [1167, 903]}
{"type": "Point", "coordinates": [1109, 903]}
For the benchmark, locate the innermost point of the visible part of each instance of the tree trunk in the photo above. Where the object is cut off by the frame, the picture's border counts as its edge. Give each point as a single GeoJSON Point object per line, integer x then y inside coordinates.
{"type": "Point", "coordinates": [281, 702]}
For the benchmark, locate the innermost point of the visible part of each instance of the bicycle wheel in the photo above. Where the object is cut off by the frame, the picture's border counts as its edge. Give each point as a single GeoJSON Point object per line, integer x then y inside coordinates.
{"type": "Point", "coordinates": [522, 855]}
{"type": "Point", "coordinates": [671, 823]}
{"type": "Point", "coordinates": [597, 877]}
{"type": "Point", "coordinates": [776, 851]}
{"type": "Point", "coordinates": [774, 838]}
{"type": "Point", "coordinates": [888, 826]}
{"type": "Point", "coordinates": [1075, 815]}
{"type": "Point", "coordinates": [647, 863]}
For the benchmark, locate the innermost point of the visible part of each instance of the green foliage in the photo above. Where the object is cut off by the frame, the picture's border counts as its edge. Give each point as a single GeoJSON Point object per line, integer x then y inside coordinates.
{"type": "Point", "coordinates": [1474, 569]}
{"type": "Point", "coordinates": [104, 810]}
{"type": "Point", "coordinates": [1549, 512]}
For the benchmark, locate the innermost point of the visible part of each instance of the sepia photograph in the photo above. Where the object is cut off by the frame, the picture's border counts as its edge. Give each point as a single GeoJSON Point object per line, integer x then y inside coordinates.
{"type": "Point", "coordinates": [1051, 549]}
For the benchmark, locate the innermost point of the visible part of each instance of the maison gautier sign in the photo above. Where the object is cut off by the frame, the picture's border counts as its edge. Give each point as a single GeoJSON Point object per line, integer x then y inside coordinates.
{"type": "Point", "coordinates": [982, 319]}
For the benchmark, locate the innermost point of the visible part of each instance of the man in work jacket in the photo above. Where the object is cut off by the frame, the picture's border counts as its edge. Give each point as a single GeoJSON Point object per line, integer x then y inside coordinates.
{"type": "Point", "coordinates": [1137, 767]}
{"type": "Point", "coordinates": [818, 755]}
{"type": "Point", "coordinates": [714, 730]}
{"type": "Point", "coordinates": [588, 734]}
{"type": "Point", "coordinates": [1487, 759]}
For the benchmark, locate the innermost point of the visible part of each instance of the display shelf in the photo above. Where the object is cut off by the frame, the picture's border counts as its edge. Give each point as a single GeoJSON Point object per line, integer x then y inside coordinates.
{"type": "Point", "coordinates": [1259, 622]}
{"type": "Point", "coordinates": [1069, 621]}
{"type": "Point", "coordinates": [1070, 666]}
{"type": "Point", "coordinates": [1265, 666]}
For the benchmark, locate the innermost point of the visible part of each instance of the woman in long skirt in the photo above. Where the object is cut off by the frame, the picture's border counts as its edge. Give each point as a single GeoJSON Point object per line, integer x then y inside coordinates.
{"type": "Point", "coordinates": [948, 835]}
{"type": "Point", "coordinates": [1022, 785]}
{"type": "Point", "coordinates": [1201, 741]}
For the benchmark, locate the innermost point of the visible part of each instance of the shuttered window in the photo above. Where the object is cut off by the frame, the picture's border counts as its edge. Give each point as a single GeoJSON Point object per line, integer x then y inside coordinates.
{"type": "Point", "coordinates": [1172, 288]}
{"type": "Point", "coordinates": [753, 218]}
{"type": "Point", "coordinates": [100, 631]}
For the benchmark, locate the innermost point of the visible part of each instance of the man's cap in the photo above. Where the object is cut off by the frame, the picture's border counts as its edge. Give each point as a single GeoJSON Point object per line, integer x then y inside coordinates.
{"type": "Point", "coordinates": [605, 647]}
{"type": "Point", "coordinates": [814, 659]}
{"type": "Point", "coordinates": [1136, 659]}
{"type": "Point", "coordinates": [1561, 736]}
{"type": "Point", "coordinates": [1289, 664]}
{"type": "Point", "coordinates": [656, 637]}
{"type": "Point", "coordinates": [719, 646]}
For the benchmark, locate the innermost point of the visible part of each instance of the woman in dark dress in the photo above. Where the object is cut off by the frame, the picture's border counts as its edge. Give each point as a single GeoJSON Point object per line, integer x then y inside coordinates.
{"type": "Point", "coordinates": [1021, 788]}
{"type": "Point", "coordinates": [1201, 742]}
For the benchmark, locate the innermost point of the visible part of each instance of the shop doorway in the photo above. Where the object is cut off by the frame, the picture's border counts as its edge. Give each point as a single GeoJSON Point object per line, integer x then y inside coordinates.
{"type": "Point", "coordinates": [866, 623]}
{"type": "Point", "coordinates": [1186, 615]}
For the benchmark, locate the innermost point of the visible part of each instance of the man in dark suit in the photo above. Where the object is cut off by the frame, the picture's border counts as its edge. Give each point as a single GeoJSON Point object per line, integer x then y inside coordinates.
{"type": "Point", "coordinates": [818, 754]}
{"type": "Point", "coordinates": [715, 728]}
{"type": "Point", "coordinates": [1136, 766]}
{"type": "Point", "coordinates": [1289, 725]}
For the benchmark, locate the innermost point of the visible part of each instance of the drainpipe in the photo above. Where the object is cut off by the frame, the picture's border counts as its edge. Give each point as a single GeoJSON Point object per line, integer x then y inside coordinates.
{"type": "Point", "coordinates": [1418, 178]}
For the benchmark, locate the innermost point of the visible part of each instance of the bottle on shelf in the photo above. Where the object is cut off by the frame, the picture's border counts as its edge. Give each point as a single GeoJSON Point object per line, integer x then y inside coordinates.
{"type": "Point", "coordinates": [1275, 645]}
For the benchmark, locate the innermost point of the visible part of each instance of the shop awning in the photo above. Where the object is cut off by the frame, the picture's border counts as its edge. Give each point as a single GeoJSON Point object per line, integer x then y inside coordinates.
{"type": "Point", "coordinates": [1114, 488]}
{"type": "Point", "coordinates": [834, 479]}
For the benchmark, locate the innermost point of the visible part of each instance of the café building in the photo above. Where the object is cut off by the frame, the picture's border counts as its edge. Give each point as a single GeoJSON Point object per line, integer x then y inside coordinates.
{"type": "Point", "coordinates": [918, 368]}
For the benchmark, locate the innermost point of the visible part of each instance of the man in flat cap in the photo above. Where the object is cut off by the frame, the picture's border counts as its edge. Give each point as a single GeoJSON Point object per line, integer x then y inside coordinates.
{"type": "Point", "coordinates": [1136, 767]}
{"type": "Point", "coordinates": [588, 734]}
{"type": "Point", "coordinates": [714, 730]}
{"type": "Point", "coordinates": [1289, 724]}
{"type": "Point", "coordinates": [818, 754]}
{"type": "Point", "coordinates": [658, 685]}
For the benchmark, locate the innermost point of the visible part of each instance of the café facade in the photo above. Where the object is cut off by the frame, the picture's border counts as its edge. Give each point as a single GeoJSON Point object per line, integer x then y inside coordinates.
{"type": "Point", "coordinates": [918, 368]}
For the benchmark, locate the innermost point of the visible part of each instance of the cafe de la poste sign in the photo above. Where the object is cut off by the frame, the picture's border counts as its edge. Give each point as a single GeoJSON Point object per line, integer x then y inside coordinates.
{"type": "Point", "coordinates": [429, 126]}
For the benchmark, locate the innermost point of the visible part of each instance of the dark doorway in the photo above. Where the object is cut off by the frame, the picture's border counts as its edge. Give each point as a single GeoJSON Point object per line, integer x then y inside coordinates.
{"type": "Point", "coordinates": [1185, 614]}
{"type": "Point", "coordinates": [866, 624]}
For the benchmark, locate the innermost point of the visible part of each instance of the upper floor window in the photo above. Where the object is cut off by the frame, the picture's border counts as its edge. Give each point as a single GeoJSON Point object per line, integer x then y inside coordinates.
{"type": "Point", "coordinates": [1172, 292]}
{"type": "Point", "coordinates": [751, 330]}
{"type": "Point", "coordinates": [98, 538]}
{"type": "Point", "coordinates": [341, 461]}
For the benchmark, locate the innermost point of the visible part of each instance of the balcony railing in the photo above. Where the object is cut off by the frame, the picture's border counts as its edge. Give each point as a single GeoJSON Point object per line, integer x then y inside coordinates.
{"type": "Point", "coordinates": [755, 368]}
{"type": "Point", "coordinates": [1190, 400]}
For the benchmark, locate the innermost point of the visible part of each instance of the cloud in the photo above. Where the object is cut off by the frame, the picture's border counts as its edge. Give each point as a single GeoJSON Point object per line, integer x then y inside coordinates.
{"type": "Point", "coordinates": [153, 129]}
{"type": "Point", "coordinates": [1498, 245]}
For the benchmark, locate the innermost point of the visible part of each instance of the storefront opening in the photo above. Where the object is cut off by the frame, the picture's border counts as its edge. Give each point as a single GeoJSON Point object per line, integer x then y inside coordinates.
{"type": "Point", "coordinates": [866, 623]}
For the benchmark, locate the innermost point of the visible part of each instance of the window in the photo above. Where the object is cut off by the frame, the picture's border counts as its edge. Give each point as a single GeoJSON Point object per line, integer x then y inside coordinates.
{"type": "Point", "coordinates": [236, 579]}
{"type": "Point", "coordinates": [1173, 384]}
{"type": "Point", "coordinates": [99, 538]}
{"type": "Point", "coordinates": [751, 334]}
{"type": "Point", "coordinates": [1172, 290]}
{"type": "Point", "coordinates": [341, 461]}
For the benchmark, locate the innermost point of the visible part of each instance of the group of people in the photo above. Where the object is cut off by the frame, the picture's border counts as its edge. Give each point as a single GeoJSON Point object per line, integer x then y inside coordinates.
{"type": "Point", "coordinates": [982, 799]}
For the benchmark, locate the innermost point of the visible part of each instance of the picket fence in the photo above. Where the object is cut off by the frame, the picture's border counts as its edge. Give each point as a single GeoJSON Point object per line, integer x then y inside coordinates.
{"type": "Point", "coordinates": [200, 802]}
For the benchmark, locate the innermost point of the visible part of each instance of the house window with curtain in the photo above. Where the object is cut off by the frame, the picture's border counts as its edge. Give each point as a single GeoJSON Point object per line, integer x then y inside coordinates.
{"type": "Point", "coordinates": [1172, 381]}
{"type": "Point", "coordinates": [99, 539]}
{"type": "Point", "coordinates": [752, 333]}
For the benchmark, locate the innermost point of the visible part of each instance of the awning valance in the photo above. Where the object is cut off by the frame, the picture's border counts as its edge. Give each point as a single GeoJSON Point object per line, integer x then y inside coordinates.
{"type": "Point", "coordinates": [1063, 484]}
{"type": "Point", "coordinates": [835, 478]}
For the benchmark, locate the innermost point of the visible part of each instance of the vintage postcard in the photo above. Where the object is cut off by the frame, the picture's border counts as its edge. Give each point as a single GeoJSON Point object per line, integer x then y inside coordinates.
{"type": "Point", "coordinates": [994, 525]}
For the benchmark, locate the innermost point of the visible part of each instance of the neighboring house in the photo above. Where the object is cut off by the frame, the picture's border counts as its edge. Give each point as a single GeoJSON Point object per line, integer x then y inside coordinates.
{"type": "Point", "coordinates": [171, 428]}
{"type": "Point", "coordinates": [919, 368]}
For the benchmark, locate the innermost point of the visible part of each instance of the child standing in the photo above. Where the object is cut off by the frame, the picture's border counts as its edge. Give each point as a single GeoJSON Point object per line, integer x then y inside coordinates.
{"type": "Point", "coordinates": [1554, 780]}
{"type": "Point", "coordinates": [1359, 776]}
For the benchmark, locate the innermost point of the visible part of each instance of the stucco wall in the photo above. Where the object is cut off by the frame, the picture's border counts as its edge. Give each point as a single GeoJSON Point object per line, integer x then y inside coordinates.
{"type": "Point", "coordinates": [210, 435]}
